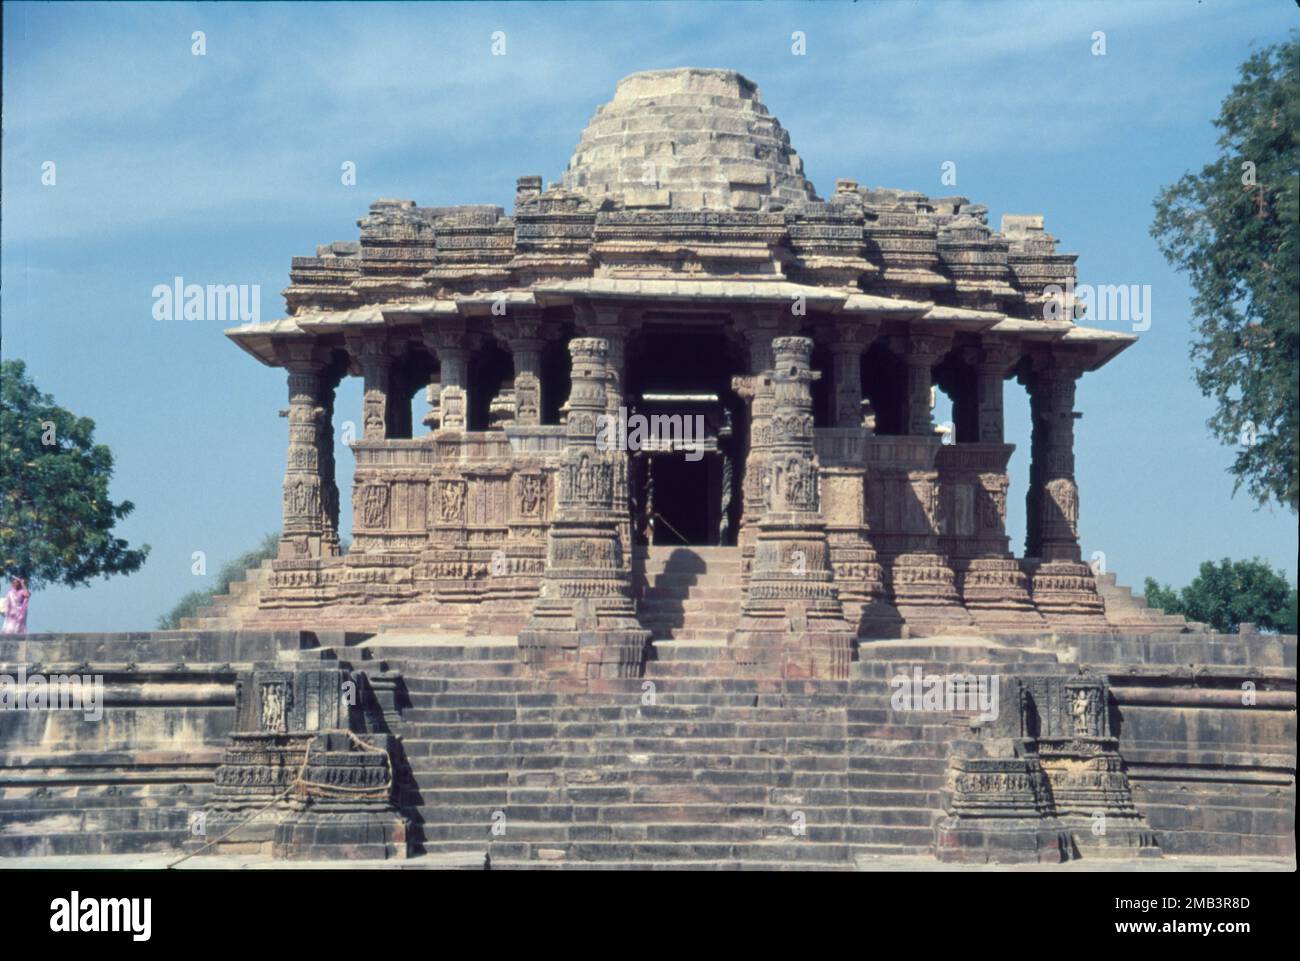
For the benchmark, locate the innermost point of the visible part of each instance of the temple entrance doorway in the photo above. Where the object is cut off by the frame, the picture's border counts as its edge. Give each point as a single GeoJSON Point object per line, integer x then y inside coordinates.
{"type": "Point", "coordinates": [687, 434]}
{"type": "Point", "coordinates": [684, 498]}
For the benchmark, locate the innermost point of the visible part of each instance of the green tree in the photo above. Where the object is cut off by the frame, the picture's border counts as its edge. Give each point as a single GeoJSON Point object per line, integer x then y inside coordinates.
{"type": "Point", "coordinates": [56, 518]}
{"type": "Point", "coordinates": [231, 571]}
{"type": "Point", "coordinates": [1230, 593]}
{"type": "Point", "coordinates": [1234, 228]}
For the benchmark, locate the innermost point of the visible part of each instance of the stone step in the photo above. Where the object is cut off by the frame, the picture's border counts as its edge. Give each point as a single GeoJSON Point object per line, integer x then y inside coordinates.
{"type": "Point", "coordinates": [664, 650]}
{"type": "Point", "coordinates": [578, 744]}
{"type": "Point", "coordinates": [690, 633]}
{"type": "Point", "coordinates": [93, 842]}
{"type": "Point", "coordinates": [29, 818]}
{"type": "Point", "coordinates": [620, 714]}
{"type": "Point", "coordinates": [787, 851]}
{"type": "Point", "coordinates": [515, 780]}
{"type": "Point", "coordinates": [417, 724]}
{"type": "Point", "coordinates": [688, 609]}
{"type": "Point", "coordinates": [702, 591]}
{"type": "Point", "coordinates": [506, 857]}
{"type": "Point", "coordinates": [703, 551]}
{"type": "Point", "coordinates": [643, 832]}
{"type": "Point", "coordinates": [677, 581]}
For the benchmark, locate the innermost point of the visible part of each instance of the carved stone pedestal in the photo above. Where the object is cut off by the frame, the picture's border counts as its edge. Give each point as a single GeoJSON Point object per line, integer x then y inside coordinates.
{"type": "Point", "coordinates": [1065, 593]}
{"type": "Point", "coordinates": [925, 594]}
{"type": "Point", "coordinates": [996, 592]}
{"type": "Point", "coordinates": [792, 617]}
{"type": "Point", "coordinates": [308, 773]}
{"type": "Point", "coordinates": [1043, 780]}
{"type": "Point", "coordinates": [999, 810]}
{"type": "Point", "coordinates": [1090, 790]}
{"type": "Point", "coordinates": [584, 624]}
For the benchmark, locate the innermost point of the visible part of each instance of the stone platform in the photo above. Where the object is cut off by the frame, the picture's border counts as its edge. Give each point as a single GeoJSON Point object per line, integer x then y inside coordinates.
{"type": "Point", "coordinates": [698, 763]}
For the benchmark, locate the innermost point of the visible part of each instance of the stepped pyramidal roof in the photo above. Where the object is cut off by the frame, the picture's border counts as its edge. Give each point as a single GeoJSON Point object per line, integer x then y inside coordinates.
{"type": "Point", "coordinates": [690, 137]}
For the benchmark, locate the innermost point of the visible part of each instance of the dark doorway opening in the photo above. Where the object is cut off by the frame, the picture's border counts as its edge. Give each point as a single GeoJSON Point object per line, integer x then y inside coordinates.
{"type": "Point", "coordinates": [687, 495]}
{"type": "Point", "coordinates": [685, 499]}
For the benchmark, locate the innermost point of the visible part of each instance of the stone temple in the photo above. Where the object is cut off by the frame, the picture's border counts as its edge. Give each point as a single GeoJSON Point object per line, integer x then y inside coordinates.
{"type": "Point", "coordinates": [770, 642]}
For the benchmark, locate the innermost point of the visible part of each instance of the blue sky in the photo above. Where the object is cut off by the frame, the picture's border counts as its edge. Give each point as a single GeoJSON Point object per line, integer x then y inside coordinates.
{"type": "Point", "coordinates": [220, 168]}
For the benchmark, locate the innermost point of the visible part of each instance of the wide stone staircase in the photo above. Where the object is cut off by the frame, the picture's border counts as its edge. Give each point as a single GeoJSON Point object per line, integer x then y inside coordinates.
{"type": "Point", "coordinates": [693, 765]}
{"type": "Point", "coordinates": [688, 592]}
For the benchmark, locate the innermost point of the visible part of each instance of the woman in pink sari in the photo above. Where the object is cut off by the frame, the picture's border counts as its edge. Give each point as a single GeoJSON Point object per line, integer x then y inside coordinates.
{"type": "Point", "coordinates": [15, 607]}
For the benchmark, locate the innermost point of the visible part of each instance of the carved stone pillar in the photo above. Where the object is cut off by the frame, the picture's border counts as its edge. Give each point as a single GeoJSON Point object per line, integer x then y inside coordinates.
{"type": "Point", "coordinates": [522, 330]}
{"type": "Point", "coordinates": [307, 497]}
{"type": "Point", "coordinates": [527, 352]}
{"type": "Point", "coordinates": [611, 328]}
{"type": "Point", "coordinates": [859, 577]}
{"type": "Point", "coordinates": [993, 361]}
{"type": "Point", "coordinates": [1063, 587]}
{"type": "Point", "coordinates": [756, 390]}
{"type": "Point", "coordinates": [584, 620]}
{"type": "Point", "coordinates": [452, 348]}
{"type": "Point", "coordinates": [792, 614]}
{"type": "Point", "coordinates": [376, 363]}
{"type": "Point", "coordinates": [759, 344]}
{"type": "Point", "coordinates": [920, 352]}
{"type": "Point", "coordinates": [850, 340]}
{"type": "Point", "coordinates": [330, 546]}
{"type": "Point", "coordinates": [1053, 503]}
{"type": "Point", "coordinates": [615, 364]}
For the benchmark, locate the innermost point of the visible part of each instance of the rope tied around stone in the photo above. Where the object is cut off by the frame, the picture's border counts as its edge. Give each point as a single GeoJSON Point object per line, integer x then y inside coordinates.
{"type": "Point", "coordinates": [305, 790]}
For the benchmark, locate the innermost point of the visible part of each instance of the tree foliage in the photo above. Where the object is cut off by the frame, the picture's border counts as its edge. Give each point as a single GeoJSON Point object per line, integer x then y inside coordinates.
{"type": "Point", "coordinates": [56, 522]}
{"type": "Point", "coordinates": [231, 571]}
{"type": "Point", "coordinates": [1229, 594]}
{"type": "Point", "coordinates": [1234, 228]}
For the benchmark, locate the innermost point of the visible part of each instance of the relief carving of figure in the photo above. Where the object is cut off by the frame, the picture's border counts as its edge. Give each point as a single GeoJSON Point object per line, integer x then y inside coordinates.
{"type": "Point", "coordinates": [275, 706]}
{"type": "Point", "coordinates": [802, 490]}
{"type": "Point", "coordinates": [1084, 709]}
{"type": "Point", "coordinates": [374, 423]}
{"type": "Point", "coordinates": [530, 495]}
{"type": "Point", "coordinates": [302, 499]}
{"type": "Point", "coordinates": [1065, 495]}
{"type": "Point", "coordinates": [374, 506]}
{"type": "Point", "coordinates": [453, 500]}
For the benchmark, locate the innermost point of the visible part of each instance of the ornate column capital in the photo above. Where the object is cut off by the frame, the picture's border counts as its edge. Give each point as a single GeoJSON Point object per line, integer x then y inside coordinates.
{"type": "Point", "coordinates": [916, 349]}
{"type": "Point", "coordinates": [521, 325]}
{"type": "Point", "coordinates": [301, 356]}
{"type": "Point", "coordinates": [852, 335]}
{"type": "Point", "coordinates": [997, 355]}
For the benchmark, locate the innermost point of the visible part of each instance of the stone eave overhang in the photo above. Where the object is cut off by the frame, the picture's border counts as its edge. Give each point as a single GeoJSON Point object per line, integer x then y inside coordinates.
{"type": "Point", "coordinates": [1087, 346]}
{"type": "Point", "coordinates": [1094, 346]}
